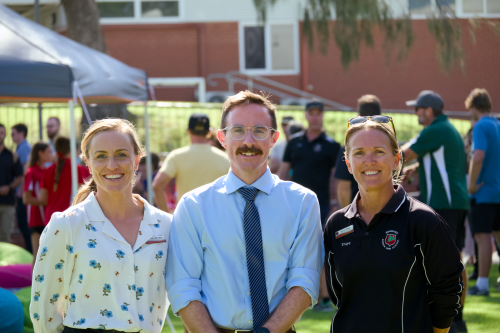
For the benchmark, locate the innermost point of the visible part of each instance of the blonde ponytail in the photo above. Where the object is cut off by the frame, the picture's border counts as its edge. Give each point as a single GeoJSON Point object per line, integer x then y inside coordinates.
{"type": "Point", "coordinates": [84, 191]}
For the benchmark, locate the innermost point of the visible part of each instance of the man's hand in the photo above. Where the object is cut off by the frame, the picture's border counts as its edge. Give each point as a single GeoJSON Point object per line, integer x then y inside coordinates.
{"type": "Point", "coordinates": [4, 190]}
{"type": "Point", "coordinates": [473, 188]}
{"type": "Point", "coordinates": [408, 172]}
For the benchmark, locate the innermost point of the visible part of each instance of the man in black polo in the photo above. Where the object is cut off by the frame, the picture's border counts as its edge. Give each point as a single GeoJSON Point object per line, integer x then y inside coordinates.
{"type": "Point", "coordinates": [11, 176]}
{"type": "Point", "coordinates": [311, 157]}
{"type": "Point", "coordinates": [347, 187]}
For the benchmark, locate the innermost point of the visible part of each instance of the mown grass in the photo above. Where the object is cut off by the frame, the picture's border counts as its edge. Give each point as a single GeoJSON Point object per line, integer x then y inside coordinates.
{"type": "Point", "coordinates": [482, 314]}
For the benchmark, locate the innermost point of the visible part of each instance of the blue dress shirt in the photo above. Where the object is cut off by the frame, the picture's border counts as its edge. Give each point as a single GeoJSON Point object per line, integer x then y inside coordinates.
{"type": "Point", "coordinates": [207, 257]}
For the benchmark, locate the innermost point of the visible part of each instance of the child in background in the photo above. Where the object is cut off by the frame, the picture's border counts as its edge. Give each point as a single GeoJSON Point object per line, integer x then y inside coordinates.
{"type": "Point", "coordinates": [57, 180]}
{"type": "Point", "coordinates": [41, 153]}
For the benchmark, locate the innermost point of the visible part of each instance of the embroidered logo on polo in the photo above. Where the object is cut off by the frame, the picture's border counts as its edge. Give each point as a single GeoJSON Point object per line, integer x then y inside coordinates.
{"type": "Point", "coordinates": [317, 147]}
{"type": "Point", "coordinates": [343, 232]}
{"type": "Point", "coordinates": [391, 240]}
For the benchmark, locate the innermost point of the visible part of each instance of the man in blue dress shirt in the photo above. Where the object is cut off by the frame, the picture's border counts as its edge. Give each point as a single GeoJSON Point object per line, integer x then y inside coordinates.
{"type": "Point", "coordinates": [245, 251]}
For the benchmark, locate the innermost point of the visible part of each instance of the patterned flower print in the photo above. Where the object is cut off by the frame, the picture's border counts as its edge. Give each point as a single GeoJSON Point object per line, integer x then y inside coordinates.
{"type": "Point", "coordinates": [54, 299]}
{"type": "Point", "coordinates": [125, 306]}
{"type": "Point", "coordinates": [95, 264]}
{"type": "Point", "coordinates": [131, 287]}
{"type": "Point", "coordinates": [72, 299]}
{"type": "Point", "coordinates": [92, 243]}
{"type": "Point", "coordinates": [81, 321]}
{"type": "Point", "coordinates": [151, 307]}
{"type": "Point", "coordinates": [69, 248]}
{"type": "Point", "coordinates": [159, 255]}
{"type": "Point", "coordinates": [139, 292]}
{"type": "Point", "coordinates": [36, 316]}
{"type": "Point", "coordinates": [43, 254]}
{"type": "Point", "coordinates": [141, 318]}
{"type": "Point", "coordinates": [107, 289]}
{"type": "Point", "coordinates": [136, 268]}
{"type": "Point", "coordinates": [106, 313]}
{"type": "Point", "coordinates": [102, 326]}
{"type": "Point", "coordinates": [157, 225]}
{"type": "Point", "coordinates": [37, 296]}
{"type": "Point", "coordinates": [59, 265]}
{"type": "Point", "coordinates": [120, 254]}
{"type": "Point", "coordinates": [90, 227]}
{"type": "Point", "coordinates": [39, 278]}
{"type": "Point", "coordinates": [80, 278]}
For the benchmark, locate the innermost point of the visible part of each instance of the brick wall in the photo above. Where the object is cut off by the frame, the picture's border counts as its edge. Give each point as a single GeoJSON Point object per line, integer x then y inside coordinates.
{"type": "Point", "coordinates": [177, 50]}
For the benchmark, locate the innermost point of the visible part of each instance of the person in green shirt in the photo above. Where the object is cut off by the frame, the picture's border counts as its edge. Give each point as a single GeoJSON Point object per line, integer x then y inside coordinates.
{"type": "Point", "coordinates": [441, 165]}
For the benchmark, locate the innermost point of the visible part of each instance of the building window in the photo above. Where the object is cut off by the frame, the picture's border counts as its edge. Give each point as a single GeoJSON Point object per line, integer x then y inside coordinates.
{"type": "Point", "coordinates": [112, 11]}
{"type": "Point", "coordinates": [426, 7]}
{"type": "Point", "coordinates": [481, 8]}
{"type": "Point", "coordinates": [269, 49]}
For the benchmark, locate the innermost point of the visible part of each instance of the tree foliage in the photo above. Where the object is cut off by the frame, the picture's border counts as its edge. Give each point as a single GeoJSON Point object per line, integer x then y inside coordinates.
{"type": "Point", "coordinates": [355, 21]}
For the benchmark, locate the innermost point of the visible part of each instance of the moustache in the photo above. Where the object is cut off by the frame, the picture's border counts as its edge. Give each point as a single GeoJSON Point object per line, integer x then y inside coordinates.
{"type": "Point", "coordinates": [252, 150]}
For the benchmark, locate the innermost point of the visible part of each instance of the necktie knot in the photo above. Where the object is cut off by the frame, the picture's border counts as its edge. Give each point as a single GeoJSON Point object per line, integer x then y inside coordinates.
{"type": "Point", "coordinates": [248, 193]}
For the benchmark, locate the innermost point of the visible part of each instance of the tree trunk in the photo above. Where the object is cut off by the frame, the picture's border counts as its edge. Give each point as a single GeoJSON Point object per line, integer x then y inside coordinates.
{"type": "Point", "coordinates": [83, 23]}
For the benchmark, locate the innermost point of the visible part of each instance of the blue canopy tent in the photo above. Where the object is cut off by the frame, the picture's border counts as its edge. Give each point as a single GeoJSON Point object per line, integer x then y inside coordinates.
{"type": "Point", "coordinates": [39, 65]}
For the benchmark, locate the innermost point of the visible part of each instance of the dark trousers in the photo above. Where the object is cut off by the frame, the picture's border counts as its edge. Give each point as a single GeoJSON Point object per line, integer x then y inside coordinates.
{"type": "Point", "coordinates": [22, 223]}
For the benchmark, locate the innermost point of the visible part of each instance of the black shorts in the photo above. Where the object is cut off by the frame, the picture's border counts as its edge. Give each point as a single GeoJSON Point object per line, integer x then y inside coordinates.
{"type": "Point", "coordinates": [456, 221]}
{"type": "Point", "coordinates": [485, 218]}
{"type": "Point", "coordinates": [37, 229]}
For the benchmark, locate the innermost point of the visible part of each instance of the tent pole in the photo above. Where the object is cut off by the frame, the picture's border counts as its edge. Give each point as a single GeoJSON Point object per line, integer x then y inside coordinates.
{"type": "Point", "coordinates": [74, 170]}
{"type": "Point", "coordinates": [149, 173]}
{"type": "Point", "coordinates": [40, 126]}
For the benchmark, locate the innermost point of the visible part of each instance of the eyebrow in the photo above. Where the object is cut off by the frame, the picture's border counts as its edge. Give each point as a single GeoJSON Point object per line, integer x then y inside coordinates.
{"type": "Point", "coordinates": [104, 151]}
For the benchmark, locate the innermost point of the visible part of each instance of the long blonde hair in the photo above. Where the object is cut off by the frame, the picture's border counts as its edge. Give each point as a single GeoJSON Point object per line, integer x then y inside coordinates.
{"type": "Point", "coordinates": [105, 125]}
{"type": "Point", "coordinates": [392, 138]}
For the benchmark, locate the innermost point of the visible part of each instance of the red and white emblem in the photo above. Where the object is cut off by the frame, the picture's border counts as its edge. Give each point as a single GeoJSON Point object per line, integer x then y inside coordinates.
{"type": "Point", "coordinates": [391, 240]}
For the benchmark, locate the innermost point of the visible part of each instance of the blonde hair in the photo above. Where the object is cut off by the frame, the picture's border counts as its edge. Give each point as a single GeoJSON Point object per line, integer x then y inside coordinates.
{"type": "Point", "coordinates": [392, 138]}
{"type": "Point", "coordinates": [105, 125]}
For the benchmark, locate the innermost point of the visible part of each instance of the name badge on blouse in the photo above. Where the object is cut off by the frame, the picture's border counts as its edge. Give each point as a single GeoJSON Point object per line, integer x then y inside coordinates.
{"type": "Point", "coordinates": [345, 231]}
{"type": "Point", "coordinates": [157, 239]}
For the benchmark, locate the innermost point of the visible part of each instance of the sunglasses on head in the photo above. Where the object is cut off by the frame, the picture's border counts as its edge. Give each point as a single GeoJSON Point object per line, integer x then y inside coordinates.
{"type": "Point", "coordinates": [377, 119]}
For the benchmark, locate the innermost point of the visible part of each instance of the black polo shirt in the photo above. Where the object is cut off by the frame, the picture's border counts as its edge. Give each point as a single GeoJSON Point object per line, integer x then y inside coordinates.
{"type": "Point", "coordinates": [10, 168]}
{"type": "Point", "coordinates": [312, 163]}
{"type": "Point", "coordinates": [400, 273]}
{"type": "Point", "coordinates": [341, 172]}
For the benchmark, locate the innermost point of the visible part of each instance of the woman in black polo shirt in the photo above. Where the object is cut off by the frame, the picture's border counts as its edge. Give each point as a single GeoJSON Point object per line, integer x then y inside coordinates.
{"type": "Point", "coordinates": [391, 264]}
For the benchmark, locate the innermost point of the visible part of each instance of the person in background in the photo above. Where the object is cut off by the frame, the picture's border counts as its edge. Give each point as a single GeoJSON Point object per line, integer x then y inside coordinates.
{"type": "Point", "coordinates": [347, 187]}
{"type": "Point", "coordinates": [484, 183]}
{"type": "Point", "coordinates": [53, 127]}
{"type": "Point", "coordinates": [141, 184]}
{"type": "Point", "coordinates": [312, 157]}
{"type": "Point", "coordinates": [294, 127]}
{"type": "Point", "coordinates": [56, 190]}
{"type": "Point", "coordinates": [41, 153]}
{"type": "Point", "coordinates": [11, 176]}
{"type": "Point", "coordinates": [214, 141]}
{"type": "Point", "coordinates": [441, 164]}
{"type": "Point", "coordinates": [191, 166]}
{"type": "Point", "coordinates": [392, 265]}
{"type": "Point", "coordinates": [19, 133]}
{"type": "Point", "coordinates": [245, 251]}
{"type": "Point", "coordinates": [276, 156]}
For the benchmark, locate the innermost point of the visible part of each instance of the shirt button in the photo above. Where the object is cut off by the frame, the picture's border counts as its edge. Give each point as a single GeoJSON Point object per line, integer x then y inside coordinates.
{"type": "Point", "coordinates": [249, 293]}
{"type": "Point", "coordinates": [249, 321]}
{"type": "Point", "coordinates": [129, 257]}
{"type": "Point", "coordinates": [367, 233]}
{"type": "Point", "coordinates": [130, 276]}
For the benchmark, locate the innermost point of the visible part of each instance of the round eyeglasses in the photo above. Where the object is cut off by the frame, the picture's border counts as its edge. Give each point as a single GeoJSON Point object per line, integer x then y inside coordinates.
{"type": "Point", "coordinates": [239, 132]}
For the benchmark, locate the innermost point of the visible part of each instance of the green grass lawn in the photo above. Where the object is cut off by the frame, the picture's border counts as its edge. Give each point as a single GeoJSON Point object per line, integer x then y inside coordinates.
{"type": "Point", "coordinates": [482, 314]}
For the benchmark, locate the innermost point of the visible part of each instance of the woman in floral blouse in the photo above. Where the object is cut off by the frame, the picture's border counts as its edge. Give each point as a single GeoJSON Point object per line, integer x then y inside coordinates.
{"type": "Point", "coordinates": [101, 263]}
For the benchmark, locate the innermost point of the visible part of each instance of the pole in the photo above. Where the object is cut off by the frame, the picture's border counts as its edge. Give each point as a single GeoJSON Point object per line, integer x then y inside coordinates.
{"type": "Point", "coordinates": [40, 126]}
{"type": "Point", "coordinates": [72, 136]}
{"type": "Point", "coordinates": [149, 172]}
{"type": "Point", "coordinates": [37, 11]}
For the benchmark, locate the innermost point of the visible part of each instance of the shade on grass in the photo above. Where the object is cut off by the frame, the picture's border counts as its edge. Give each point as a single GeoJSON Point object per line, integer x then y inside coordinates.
{"type": "Point", "coordinates": [482, 314]}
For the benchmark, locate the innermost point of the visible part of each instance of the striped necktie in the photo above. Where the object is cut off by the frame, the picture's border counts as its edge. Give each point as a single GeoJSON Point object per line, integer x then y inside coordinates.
{"type": "Point", "coordinates": [255, 258]}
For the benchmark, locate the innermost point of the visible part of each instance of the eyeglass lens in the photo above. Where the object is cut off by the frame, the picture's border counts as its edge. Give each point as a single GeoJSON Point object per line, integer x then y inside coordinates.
{"type": "Point", "coordinates": [258, 132]}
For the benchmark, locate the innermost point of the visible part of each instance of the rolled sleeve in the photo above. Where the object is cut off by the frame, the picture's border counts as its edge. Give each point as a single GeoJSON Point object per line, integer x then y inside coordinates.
{"type": "Point", "coordinates": [185, 261]}
{"type": "Point", "coordinates": [306, 254]}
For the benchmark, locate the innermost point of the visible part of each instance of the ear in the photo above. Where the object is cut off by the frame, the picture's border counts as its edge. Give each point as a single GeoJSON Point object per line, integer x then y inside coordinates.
{"type": "Point", "coordinates": [397, 158]}
{"type": "Point", "coordinates": [275, 138]}
{"type": "Point", "coordinates": [222, 138]}
{"type": "Point", "coordinates": [137, 160]}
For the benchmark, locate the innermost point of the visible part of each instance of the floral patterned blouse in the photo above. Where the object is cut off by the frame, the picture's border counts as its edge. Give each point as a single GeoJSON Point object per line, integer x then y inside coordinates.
{"type": "Point", "coordinates": [87, 276]}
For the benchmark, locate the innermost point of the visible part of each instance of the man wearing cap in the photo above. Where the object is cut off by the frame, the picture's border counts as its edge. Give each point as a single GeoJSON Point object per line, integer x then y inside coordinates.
{"type": "Point", "coordinates": [441, 163]}
{"type": "Point", "coordinates": [191, 166]}
{"type": "Point", "coordinates": [276, 156]}
{"type": "Point", "coordinates": [311, 157]}
{"type": "Point", "coordinates": [245, 252]}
